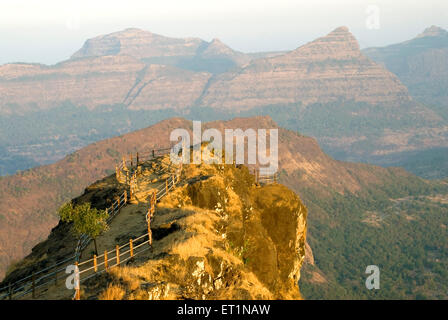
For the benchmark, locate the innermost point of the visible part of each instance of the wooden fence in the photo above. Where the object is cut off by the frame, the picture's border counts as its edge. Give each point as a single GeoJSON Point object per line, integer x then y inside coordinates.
{"type": "Point", "coordinates": [126, 170]}
{"type": "Point", "coordinates": [52, 274]}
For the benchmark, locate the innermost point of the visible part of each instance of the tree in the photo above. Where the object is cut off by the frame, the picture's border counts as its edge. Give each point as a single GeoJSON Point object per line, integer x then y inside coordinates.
{"type": "Point", "coordinates": [86, 220]}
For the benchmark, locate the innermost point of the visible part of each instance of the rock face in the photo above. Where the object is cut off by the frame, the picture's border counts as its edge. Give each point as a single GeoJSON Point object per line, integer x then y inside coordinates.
{"type": "Point", "coordinates": [233, 240]}
{"type": "Point", "coordinates": [326, 70]}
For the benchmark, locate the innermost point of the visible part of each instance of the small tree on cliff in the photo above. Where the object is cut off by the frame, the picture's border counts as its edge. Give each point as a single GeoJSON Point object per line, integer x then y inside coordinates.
{"type": "Point", "coordinates": [86, 220]}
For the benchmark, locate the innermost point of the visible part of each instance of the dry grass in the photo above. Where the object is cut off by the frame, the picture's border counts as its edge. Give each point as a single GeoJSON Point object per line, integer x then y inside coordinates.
{"type": "Point", "coordinates": [125, 275]}
{"type": "Point", "coordinates": [113, 292]}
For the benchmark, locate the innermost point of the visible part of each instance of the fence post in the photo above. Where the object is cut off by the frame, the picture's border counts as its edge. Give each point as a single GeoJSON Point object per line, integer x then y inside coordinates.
{"type": "Point", "coordinates": [117, 252]}
{"type": "Point", "coordinates": [166, 186]}
{"type": "Point", "coordinates": [137, 159]}
{"type": "Point", "coordinates": [105, 259]}
{"type": "Point", "coordinates": [34, 286]}
{"type": "Point", "coordinates": [153, 203]}
{"type": "Point", "coordinates": [131, 247]}
{"type": "Point", "coordinates": [125, 196]}
{"type": "Point", "coordinates": [173, 177]}
{"type": "Point", "coordinates": [77, 285]}
{"type": "Point", "coordinates": [95, 265]}
{"type": "Point", "coordinates": [149, 231]}
{"type": "Point", "coordinates": [153, 153]}
{"type": "Point", "coordinates": [130, 157]}
{"type": "Point", "coordinates": [124, 164]}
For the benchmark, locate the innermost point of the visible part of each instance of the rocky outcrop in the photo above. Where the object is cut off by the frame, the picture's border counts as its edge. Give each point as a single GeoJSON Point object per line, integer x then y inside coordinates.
{"type": "Point", "coordinates": [217, 235]}
{"type": "Point", "coordinates": [232, 240]}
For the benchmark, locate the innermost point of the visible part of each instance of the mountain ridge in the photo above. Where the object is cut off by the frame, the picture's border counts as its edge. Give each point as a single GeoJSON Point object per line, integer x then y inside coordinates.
{"type": "Point", "coordinates": [326, 88]}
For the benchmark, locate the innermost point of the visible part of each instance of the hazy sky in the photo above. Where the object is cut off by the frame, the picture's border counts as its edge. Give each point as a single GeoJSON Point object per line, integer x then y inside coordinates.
{"type": "Point", "coordinates": [48, 31]}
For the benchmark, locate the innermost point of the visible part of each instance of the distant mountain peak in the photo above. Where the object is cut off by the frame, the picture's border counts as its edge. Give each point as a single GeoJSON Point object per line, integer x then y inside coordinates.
{"type": "Point", "coordinates": [217, 46]}
{"type": "Point", "coordinates": [337, 43]}
{"type": "Point", "coordinates": [138, 43]}
{"type": "Point", "coordinates": [342, 29]}
{"type": "Point", "coordinates": [216, 41]}
{"type": "Point", "coordinates": [433, 31]}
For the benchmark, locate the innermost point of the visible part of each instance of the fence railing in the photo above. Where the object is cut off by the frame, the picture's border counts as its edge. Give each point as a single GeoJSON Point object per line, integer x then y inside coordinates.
{"type": "Point", "coordinates": [90, 268]}
{"type": "Point", "coordinates": [265, 178]}
{"type": "Point", "coordinates": [49, 275]}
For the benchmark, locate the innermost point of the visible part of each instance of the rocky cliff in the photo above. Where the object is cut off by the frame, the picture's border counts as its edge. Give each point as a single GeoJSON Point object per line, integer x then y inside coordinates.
{"type": "Point", "coordinates": [218, 235]}
{"type": "Point", "coordinates": [229, 239]}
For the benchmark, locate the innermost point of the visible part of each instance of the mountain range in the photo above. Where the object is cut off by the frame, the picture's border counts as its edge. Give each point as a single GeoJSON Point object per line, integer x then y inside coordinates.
{"type": "Point", "coordinates": [328, 88]}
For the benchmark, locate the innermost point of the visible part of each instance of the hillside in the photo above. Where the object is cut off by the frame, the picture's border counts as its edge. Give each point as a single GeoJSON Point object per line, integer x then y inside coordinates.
{"type": "Point", "coordinates": [216, 235]}
{"type": "Point", "coordinates": [363, 201]}
{"type": "Point", "coordinates": [28, 200]}
{"type": "Point", "coordinates": [421, 64]}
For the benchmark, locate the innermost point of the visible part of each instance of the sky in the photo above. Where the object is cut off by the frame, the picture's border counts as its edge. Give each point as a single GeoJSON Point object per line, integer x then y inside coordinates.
{"type": "Point", "coordinates": [49, 31]}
